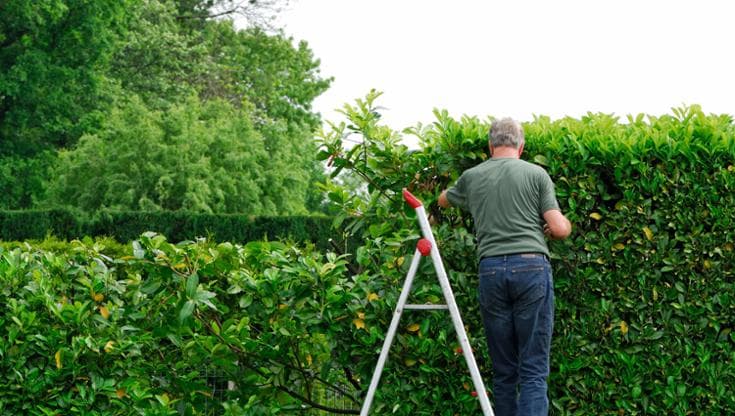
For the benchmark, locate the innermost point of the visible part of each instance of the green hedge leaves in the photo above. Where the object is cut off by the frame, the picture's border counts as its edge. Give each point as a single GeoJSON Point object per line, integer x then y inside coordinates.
{"type": "Point", "coordinates": [143, 333]}
{"type": "Point", "coordinates": [644, 285]}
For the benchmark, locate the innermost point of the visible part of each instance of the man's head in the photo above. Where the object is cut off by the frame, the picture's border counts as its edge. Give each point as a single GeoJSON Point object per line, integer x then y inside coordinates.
{"type": "Point", "coordinates": [508, 134]}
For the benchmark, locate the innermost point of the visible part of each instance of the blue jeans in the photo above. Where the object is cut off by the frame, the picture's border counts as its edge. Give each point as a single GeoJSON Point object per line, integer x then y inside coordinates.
{"type": "Point", "coordinates": [517, 304]}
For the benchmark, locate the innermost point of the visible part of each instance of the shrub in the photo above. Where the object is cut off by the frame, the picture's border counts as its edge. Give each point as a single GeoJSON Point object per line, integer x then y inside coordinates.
{"type": "Point", "coordinates": [644, 288]}
{"type": "Point", "coordinates": [85, 333]}
{"type": "Point", "coordinates": [176, 225]}
{"type": "Point", "coordinates": [644, 285]}
{"type": "Point", "coordinates": [37, 224]}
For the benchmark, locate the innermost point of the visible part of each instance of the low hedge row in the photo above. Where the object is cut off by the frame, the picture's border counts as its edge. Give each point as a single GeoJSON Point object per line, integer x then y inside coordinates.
{"type": "Point", "coordinates": [177, 226]}
{"type": "Point", "coordinates": [194, 328]}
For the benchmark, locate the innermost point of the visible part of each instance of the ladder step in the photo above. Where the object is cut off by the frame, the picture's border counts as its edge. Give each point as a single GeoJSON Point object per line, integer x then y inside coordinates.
{"type": "Point", "coordinates": [426, 306]}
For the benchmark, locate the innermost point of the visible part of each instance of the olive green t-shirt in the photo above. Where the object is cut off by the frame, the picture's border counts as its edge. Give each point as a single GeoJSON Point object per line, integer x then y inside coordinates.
{"type": "Point", "coordinates": [507, 198]}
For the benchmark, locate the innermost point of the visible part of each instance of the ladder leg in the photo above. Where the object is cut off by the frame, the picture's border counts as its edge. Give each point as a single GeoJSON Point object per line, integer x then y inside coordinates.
{"type": "Point", "coordinates": [462, 335]}
{"type": "Point", "coordinates": [456, 318]}
{"type": "Point", "coordinates": [391, 333]}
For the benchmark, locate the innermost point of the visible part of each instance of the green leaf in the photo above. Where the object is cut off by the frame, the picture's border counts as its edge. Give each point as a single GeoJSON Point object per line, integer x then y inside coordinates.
{"type": "Point", "coordinates": [138, 251]}
{"type": "Point", "coordinates": [322, 155]}
{"type": "Point", "coordinates": [151, 285]}
{"type": "Point", "coordinates": [186, 310]}
{"type": "Point", "coordinates": [245, 301]}
{"type": "Point", "coordinates": [541, 160]}
{"type": "Point", "coordinates": [204, 296]}
{"type": "Point", "coordinates": [192, 282]}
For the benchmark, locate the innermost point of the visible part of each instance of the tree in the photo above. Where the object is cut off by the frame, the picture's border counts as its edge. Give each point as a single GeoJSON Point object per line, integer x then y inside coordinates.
{"type": "Point", "coordinates": [71, 69]}
{"type": "Point", "coordinates": [53, 54]}
{"type": "Point", "coordinates": [161, 59]}
{"type": "Point", "coordinates": [199, 157]}
{"type": "Point", "coordinates": [256, 13]}
{"type": "Point", "coordinates": [22, 178]}
{"type": "Point", "coordinates": [164, 62]}
{"type": "Point", "coordinates": [157, 60]}
{"type": "Point", "coordinates": [281, 80]}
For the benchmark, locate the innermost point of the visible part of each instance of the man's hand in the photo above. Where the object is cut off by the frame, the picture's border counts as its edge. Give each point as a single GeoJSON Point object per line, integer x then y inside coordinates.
{"type": "Point", "coordinates": [547, 230]}
{"type": "Point", "coordinates": [443, 201]}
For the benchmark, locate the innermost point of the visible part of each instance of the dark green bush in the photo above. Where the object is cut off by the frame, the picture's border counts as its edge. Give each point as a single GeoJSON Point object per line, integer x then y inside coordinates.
{"type": "Point", "coordinates": [176, 225]}
{"type": "Point", "coordinates": [37, 224]}
{"type": "Point", "coordinates": [179, 226]}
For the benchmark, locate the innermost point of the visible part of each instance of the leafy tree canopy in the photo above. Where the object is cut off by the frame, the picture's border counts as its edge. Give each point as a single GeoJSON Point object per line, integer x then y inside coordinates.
{"type": "Point", "coordinates": [52, 59]}
{"type": "Point", "coordinates": [70, 68]}
{"type": "Point", "coordinates": [200, 157]}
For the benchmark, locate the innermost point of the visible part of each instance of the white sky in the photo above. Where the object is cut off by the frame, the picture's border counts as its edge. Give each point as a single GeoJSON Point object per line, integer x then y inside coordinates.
{"type": "Point", "coordinates": [520, 57]}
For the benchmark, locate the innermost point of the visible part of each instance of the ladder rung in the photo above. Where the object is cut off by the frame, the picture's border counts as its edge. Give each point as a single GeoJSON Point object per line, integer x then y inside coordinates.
{"type": "Point", "coordinates": [426, 306]}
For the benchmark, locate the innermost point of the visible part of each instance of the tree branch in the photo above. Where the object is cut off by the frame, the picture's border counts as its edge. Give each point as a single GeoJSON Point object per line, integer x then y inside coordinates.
{"type": "Point", "coordinates": [352, 269]}
{"type": "Point", "coordinates": [240, 352]}
{"type": "Point", "coordinates": [351, 378]}
{"type": "Point", "coordinates": [209, 16]}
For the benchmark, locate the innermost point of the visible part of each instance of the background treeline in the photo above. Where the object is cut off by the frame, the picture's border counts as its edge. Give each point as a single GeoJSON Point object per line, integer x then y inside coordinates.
{"type": "Point", "coordinates": [155, 105]}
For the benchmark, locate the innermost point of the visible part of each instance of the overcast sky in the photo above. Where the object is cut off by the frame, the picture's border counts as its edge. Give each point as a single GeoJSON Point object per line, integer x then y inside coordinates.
{"type": "Point", "coordinates": [520, 58]}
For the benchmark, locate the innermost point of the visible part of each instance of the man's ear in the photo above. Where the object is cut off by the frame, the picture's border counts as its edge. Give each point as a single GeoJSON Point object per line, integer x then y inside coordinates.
{"type": "Point", "coordinates": [492, 149]}
{"type": "Point", "coordinates": [520, 150]}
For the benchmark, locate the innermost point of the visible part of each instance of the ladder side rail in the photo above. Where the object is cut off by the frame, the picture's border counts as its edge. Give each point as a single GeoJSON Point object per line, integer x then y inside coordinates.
{"type": "Point", "coordinates": [451, 305]}
{"type": "Point", "coordinates": [391, 334]}
{"type": "Point", "coordinates": [454, 313]}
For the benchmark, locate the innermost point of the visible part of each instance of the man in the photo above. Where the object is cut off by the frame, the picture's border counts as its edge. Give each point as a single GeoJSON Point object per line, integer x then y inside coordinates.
{"type": "Point", "coordinates": [513, 206]}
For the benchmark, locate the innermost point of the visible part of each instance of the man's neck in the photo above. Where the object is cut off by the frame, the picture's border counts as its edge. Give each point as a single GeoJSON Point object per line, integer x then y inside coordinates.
{"type": "Point", "coordinates": [505, 152]}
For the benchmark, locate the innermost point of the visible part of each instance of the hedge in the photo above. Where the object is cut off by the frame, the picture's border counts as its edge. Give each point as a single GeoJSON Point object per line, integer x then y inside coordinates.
{"type": "Point", "coordinates": [645, 285]}
{"type": "Point", "coordinates": [37, 224]}
{"type": "Point", "coordinates": [176, 225]}
{"type": "Point", "coordinates": [645, 288]}
{"type": "Point", "coordinates": [85, 333]}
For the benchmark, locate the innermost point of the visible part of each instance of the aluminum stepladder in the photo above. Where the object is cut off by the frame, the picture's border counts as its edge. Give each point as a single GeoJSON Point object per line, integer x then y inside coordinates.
{"type": "Point", "coordinates": [427, 247]}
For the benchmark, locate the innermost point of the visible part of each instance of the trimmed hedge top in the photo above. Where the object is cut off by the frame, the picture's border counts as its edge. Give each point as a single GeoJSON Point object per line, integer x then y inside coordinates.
{"type": "Point", "coordinates": [175, 225]}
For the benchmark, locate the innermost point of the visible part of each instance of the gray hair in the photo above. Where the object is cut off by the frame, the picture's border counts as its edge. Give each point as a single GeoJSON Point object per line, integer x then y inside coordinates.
{"type": "Point", "coordinates": [506, 132]}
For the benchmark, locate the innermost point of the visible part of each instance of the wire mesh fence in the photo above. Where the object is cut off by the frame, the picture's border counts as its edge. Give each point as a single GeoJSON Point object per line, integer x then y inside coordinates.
{"type": "Point", "coordinates": [218, 384]}
{"type": "Point", "coordinates": [341, 398]}
{"type": "Point", "coordinates": [335, 398]}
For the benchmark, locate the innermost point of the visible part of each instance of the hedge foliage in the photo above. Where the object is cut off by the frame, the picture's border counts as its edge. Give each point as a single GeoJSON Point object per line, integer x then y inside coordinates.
{"type": "Point", "coordinates": [85, 333]}
{"type": "Point", "coordinates": [645, 289]}
{"type": "Point", "coordinates": [644, 286]}
{"type": "Point", "coordinates": [176, 225]}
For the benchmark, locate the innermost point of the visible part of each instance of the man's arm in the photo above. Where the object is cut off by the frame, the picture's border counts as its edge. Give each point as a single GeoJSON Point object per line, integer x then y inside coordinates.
{"type": "Point", "coordinates": [443, 201]}
{"type": "Point", "coordinates": [557, 226]}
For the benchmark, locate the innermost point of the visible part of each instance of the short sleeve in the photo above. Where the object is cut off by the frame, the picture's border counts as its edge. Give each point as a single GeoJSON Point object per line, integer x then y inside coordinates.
{"type": "Point", "coordinates": [457, 194]}
{"type": "Point", "coordinates": [547, 195]}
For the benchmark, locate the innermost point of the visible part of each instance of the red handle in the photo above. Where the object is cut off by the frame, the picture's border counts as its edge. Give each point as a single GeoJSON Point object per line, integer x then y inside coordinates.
{"type": "Point", "coordinates": [410, 199]}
